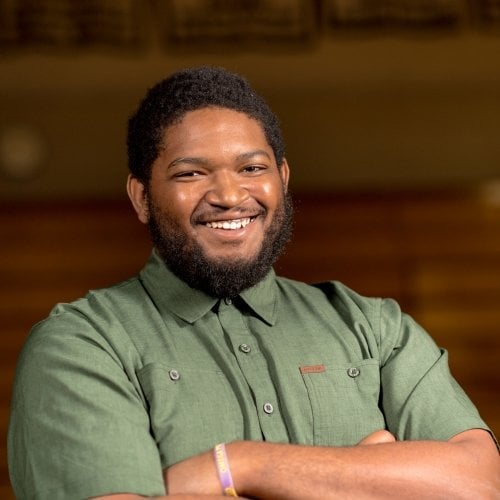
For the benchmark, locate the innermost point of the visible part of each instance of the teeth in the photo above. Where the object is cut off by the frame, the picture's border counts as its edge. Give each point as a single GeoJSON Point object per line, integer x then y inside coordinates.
{"type": "Point", "coordinates": [229, 224]}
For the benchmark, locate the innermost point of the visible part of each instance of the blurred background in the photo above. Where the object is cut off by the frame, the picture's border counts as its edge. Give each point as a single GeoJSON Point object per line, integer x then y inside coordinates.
{"type": "Point", "coordinates": [391, 114]}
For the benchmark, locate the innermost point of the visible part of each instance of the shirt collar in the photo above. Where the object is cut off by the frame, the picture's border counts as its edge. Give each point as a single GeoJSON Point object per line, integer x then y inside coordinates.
{"type": "Point", "coordinates": [263, 298]}
{"type": "Point", "coordinates": [172, 294]}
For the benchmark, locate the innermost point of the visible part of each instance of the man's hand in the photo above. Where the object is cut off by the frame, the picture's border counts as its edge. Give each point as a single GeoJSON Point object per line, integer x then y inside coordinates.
{"type": "Point", "coordinates": [378, 437]}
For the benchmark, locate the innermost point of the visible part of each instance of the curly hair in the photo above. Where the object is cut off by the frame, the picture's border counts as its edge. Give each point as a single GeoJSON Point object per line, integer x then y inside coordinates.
{"type": "Point", "coordinates": [188, 90]}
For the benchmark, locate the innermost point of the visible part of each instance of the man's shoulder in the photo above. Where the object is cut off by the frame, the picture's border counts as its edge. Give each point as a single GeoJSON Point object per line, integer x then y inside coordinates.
{"type": "Point", "coordinates": [333, 291]}
{"type": "Point", "coordinates": [350, 305]}
{"type": "Point", "coordinates": [97, 316]}
{"type": "Point", "coordinates": [101, 301]}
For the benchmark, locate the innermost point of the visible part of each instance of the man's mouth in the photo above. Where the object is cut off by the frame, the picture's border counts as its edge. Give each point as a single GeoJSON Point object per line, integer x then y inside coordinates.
{"type": "Point", "coordinates": [230, 224]}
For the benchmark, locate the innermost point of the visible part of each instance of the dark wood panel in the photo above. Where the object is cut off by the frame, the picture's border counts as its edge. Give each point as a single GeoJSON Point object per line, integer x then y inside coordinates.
{"type": "Point", "coordinates": [437, 253]}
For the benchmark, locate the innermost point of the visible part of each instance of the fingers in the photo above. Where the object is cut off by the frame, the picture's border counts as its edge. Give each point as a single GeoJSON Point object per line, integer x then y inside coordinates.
{"type": "Point", "coordinates": [377, 437]}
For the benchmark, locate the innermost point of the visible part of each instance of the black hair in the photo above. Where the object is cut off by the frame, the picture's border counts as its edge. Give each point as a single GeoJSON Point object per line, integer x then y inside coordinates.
{"type": "Point", "coordinates": [188, 90]}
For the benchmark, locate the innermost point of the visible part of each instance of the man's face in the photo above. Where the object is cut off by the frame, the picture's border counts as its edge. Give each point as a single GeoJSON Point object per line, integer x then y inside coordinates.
{"type": "Point", "coordinates": [217, 200]}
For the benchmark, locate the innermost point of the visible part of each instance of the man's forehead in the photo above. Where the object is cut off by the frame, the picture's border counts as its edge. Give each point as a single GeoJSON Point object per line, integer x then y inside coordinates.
{"type": "Point", "coordinates": [200, 111]}
{"type": "Point", "coordinates": [208, 120]}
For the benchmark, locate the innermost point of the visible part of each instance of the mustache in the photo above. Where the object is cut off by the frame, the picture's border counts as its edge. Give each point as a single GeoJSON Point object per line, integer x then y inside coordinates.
{"type": "Point", "coordinates": [207, 215]}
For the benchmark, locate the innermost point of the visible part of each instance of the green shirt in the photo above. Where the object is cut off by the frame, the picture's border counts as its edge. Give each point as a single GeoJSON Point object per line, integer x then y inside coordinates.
{"type": "Point", "coordinates": [131, 379]}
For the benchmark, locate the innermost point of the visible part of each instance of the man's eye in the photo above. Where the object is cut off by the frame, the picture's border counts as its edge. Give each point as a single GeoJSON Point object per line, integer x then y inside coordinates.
{"type": "Point", "coordinates": [253, 168]}
{"type": "Point", "coordinates": [190, 173]}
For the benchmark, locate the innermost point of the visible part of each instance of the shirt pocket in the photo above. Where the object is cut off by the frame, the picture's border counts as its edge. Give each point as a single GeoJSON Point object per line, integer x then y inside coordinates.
{"type": "Point", "coordinates": [190, 410]}
{"type": "Point", "coordinates": [344, 401]}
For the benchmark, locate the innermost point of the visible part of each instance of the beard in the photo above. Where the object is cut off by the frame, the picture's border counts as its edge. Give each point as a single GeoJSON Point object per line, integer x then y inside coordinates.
{"type": "Point", "coordinates": [221, 277]}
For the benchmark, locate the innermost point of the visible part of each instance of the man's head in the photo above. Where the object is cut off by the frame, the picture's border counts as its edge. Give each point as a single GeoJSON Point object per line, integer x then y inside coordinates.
{"type": "Point", "coordinates": [188, 90]}
{"type": "Point", "coordinates": [214, 196]}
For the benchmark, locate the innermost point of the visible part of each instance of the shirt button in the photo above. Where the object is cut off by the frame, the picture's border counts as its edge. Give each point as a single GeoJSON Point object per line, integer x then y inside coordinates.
{"type": "Point", "coordinates": [174, 375]}
{"type": "Point", "coordinates": [228, 301]}
{"type": "Point", "coordinates": [353, 372]}
{"type": "Point", "coordinates": [245, 348]}
{"type": "Point", "coordinates": [268, 408]}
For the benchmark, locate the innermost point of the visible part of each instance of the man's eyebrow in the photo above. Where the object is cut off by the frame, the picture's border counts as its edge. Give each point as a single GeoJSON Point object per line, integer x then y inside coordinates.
{"type": "Point", "coordinates": [190, 160]}
{"type": "Point", "coordinates": [251, 154]}
{"type": "Point", "coordinates": [199, 160]}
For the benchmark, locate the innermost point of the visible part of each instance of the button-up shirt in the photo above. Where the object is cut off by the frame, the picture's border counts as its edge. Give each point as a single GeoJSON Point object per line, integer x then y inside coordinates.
{"type": "Point", "coordinates": [114, 387]}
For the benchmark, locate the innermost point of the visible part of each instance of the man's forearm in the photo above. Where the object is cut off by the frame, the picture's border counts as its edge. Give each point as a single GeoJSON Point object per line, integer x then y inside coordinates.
{"type": "Point", "coordinates": [181, 496]}
{"type": "Point", "coordinates": [465, 467]}
{"type": "Point", "coordinates": [412, 469]}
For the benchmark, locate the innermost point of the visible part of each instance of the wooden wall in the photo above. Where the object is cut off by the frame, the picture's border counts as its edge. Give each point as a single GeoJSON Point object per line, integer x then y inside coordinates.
{"type": "Point", "coordinates": [438, 253]}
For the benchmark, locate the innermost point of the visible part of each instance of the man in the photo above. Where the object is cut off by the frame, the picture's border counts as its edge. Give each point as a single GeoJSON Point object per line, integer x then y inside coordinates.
{"type": "Point", "coordinates": [316, 391]}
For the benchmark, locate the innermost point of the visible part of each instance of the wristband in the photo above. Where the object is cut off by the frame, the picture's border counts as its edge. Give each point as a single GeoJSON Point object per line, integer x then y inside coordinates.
{"type": "Point", "coordinates": [222, 464]}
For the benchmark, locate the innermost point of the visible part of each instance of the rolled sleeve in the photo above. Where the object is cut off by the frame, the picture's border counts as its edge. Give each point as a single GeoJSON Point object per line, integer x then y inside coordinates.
{"type": "Point", "coordinates": [78, 427]}
{"type": "Point", "coordinates": [421, 399]}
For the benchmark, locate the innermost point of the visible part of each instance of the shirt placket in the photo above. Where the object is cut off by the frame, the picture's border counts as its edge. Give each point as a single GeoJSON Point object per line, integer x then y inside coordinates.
{"type": "Point", "coordinates": [254, 368]}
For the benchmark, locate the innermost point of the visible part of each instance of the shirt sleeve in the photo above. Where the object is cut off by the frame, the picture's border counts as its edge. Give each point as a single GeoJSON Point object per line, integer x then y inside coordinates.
{"type": "Point", "coordinates": [78, 427]}
{"type": "Point", "coordinates": [420, 397]}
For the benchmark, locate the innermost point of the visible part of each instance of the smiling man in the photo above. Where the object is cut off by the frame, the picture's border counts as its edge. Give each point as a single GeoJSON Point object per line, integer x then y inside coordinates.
{"type": "Point", "coordinates": [208, 375]}
{"type": "Point", "coordinates": [216, 203]}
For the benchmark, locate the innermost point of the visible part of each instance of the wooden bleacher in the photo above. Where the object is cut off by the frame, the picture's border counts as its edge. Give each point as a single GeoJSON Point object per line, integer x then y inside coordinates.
{"type": "Point", "coordinates": [437, 253]}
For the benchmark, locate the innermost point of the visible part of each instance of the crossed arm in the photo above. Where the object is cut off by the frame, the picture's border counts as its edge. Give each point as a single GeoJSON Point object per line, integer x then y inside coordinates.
{"type": "Point", "coordinates": [465, 467]}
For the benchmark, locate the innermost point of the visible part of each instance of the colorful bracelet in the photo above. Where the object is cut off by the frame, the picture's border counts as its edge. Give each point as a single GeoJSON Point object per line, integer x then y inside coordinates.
{"type": "Point", "coordinates": [222, 464]}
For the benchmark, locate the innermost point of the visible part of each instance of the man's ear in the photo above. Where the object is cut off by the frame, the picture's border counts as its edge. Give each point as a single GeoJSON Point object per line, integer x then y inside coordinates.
{"type": "Point", "coordinates": [137, 194]}
{"type": "Point", "coordinates": [284, 173]}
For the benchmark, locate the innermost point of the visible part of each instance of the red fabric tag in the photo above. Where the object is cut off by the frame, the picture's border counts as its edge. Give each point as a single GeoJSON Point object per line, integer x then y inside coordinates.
{"type": "Point", "coordinates": [312, 369]}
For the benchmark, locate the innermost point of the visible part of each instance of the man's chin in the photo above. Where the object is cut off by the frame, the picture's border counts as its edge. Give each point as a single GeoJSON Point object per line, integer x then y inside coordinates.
{"type": "Point", "coordinates": [230, 254]}
{"type": "Point", "coordinates": [230, 258]}
{"type": "Point", "coordinates": [220, 275]}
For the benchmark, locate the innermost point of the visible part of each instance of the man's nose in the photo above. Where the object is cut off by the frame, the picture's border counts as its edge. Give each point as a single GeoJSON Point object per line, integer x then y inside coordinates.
{"type": "Point", "coordinates": [226, 190]}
